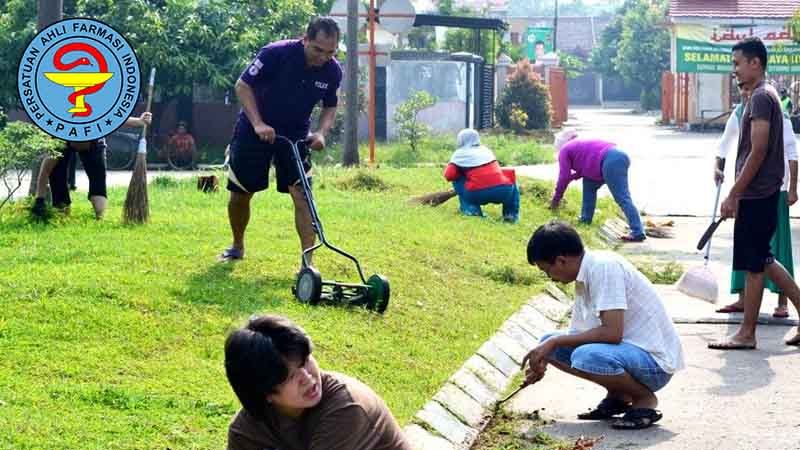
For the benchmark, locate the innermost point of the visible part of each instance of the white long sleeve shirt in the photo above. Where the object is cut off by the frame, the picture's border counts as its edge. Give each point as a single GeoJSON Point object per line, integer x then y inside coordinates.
{"type": "Point", "coordinates": [730, 141]}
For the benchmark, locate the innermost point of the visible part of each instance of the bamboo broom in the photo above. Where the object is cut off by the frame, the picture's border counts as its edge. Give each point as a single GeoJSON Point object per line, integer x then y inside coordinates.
{"type": "Point", "coordinates": [434, 199]}
{"type": "Point", "coordinates": [137, 208]}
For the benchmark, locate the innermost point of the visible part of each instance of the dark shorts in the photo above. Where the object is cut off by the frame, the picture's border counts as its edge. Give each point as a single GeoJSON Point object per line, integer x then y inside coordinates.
{"type": "Point", "coordinates": [755, 224]}
{"type": "Point", "coordinates": [250, 160]}
{"type": "Point", "coordinates": [94, 164]}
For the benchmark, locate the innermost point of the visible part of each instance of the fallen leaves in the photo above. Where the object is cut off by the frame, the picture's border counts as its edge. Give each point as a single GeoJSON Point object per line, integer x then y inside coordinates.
{"type": "Point", "coordinates": [584, 443]}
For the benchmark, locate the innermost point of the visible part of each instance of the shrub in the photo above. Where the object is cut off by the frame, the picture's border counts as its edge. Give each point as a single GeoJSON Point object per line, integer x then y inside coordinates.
{"type": "Point", "coordinates": [21, 145]}
{"type": "Point", "coordinates": [518, 118]}
{"type": "Point", "coordinates": [409, 129]}
{"type": "Point", "coordinates": [525, 90]}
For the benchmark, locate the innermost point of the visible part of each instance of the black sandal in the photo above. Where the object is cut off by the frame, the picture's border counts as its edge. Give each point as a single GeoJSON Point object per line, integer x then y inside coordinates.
{"type": "Point", "coordinates": [608, 408]}
{"type": "Point", "coordinates": [637, 419]}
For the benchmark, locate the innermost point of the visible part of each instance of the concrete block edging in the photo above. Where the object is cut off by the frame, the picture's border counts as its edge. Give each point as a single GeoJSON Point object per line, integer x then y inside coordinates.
{"type": "Point", "coordinates": [459, 411]}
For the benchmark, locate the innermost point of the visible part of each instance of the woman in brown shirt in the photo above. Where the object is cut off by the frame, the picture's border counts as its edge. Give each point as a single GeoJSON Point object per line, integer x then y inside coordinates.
{"type": "Point", "coordinates": [290, 404]}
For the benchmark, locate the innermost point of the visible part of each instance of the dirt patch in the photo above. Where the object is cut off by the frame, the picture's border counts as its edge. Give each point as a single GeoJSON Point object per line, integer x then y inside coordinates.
{"type": "Point", "coordinates": [508, 431]}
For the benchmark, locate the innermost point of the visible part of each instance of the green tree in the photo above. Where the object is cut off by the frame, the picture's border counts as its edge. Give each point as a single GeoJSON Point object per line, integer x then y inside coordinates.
{"type": "Point", "coordinates": [515, 52]}
{"type": "Point", "coordinates": [573, 66]}
{"type": "Point", "coordinates": [17, 28]}
{"type": "Point", "coordinates": [187, 41]}
{"type": "Point", "coordinates": [604, 54]}
{"type": "Point", "coordinates": [446, 7]}
{"type": "Point", "coordinates": [463, 40]}
{"type": "Point", "coordinates": [206, 43]}
{"type": "Point", "coordinates": [422, 38]}
{"type": "Point", "coordinates": [644, 48]}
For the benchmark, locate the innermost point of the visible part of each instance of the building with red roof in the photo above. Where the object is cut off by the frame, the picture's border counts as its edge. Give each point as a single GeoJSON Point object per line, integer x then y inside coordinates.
{"type": "Point", "coordinates": [700, 86]}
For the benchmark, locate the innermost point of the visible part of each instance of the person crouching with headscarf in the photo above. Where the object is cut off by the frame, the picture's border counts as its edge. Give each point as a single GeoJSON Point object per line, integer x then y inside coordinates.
{"type": "Point", "coordinates": [478, 179]}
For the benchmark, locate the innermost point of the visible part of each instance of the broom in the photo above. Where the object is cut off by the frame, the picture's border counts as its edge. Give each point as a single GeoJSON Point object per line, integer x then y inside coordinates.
{"type": "Point", "coordinates": [700, 282]}
{"type": "Point", "coordinates": [137, 208]}
{"type": "Point", "coordinates": [434, 199]}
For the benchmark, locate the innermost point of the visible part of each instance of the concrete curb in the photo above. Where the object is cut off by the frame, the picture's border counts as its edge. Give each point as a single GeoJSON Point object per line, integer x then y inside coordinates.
{"type": "Point", "coordinates": [461, 409]}
{"type": "Point", "coordinates": [762, 320]}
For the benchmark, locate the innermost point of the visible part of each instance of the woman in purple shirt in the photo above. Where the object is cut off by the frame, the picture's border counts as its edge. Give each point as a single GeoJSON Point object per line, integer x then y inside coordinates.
{"type": "Point", "coordinates": [597, 162]}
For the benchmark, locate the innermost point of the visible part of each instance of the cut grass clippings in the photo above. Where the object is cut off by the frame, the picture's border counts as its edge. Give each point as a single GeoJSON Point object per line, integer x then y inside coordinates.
{"type": "Point", "coordinates": [660, 273]}
{"type": "Point", "coordinates": [112, 335]}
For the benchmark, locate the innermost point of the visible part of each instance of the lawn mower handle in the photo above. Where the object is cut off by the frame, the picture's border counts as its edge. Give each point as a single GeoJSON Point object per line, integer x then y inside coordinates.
{"type": "Point", "coordinates": [309, 196]}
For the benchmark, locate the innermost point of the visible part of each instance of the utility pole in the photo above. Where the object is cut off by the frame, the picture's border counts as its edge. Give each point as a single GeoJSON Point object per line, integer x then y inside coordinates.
{"type": "Point", "coordinates": [49, 12]}
{"type": "Point", "coordinates": [555, 29]}
{"type": "Point", "coordinates": [350, 154]}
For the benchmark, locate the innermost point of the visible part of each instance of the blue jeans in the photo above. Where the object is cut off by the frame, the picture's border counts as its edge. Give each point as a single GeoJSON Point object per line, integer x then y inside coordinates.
{"type": "Point", "coordinates": [615, 173]}
{"type": "Point", "coordinates": [612, 359]}
{"type": "Point", "coordinates": [471, 201]}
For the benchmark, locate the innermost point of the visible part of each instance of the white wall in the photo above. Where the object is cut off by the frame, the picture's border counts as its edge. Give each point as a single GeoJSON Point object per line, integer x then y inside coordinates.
{"type": "Point", "coordinates": [446, 80]}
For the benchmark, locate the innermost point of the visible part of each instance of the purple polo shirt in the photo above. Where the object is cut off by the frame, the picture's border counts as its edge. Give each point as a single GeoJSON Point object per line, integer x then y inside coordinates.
{"type": "Point", "coordinates": [286, 90]}
{"type": "Point", "coordinates": [580, 158]}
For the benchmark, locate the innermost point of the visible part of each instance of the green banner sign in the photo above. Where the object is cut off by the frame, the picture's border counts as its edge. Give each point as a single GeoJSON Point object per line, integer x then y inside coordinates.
{"type": "Point", "coordinates": [703, 49]}
{"type": "Point", "coordinates": [540, 41]}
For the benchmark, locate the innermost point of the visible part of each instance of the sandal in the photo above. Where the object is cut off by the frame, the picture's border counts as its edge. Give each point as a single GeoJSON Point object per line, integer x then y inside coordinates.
{"type": "Point", "coordinates": [608, 408]}
{"type": "Point", "coordinates": [732, 308]}
{"type": "Point", "coordinates": [781, 312]}
{"type": "Point", "coordinates": [230, 254]}
{"type": "Point", "coordinates": [632, 238]}
{"type": "Point", "coordinates": [730, 344]}
{"type": "Point", "coordinates": [637, 419]}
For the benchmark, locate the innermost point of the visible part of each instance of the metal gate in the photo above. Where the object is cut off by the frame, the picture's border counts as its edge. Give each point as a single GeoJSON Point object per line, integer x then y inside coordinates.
{"type": "Point", "coordinates": [484, 96]}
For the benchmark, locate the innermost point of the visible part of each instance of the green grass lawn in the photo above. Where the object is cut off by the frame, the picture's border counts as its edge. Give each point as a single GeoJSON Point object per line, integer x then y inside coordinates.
{"type": "Point", "coordinates": [111, 336]}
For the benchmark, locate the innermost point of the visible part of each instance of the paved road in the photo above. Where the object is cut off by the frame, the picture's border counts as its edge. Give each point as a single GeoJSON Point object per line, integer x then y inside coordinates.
{"type": "Point", "coordinates": [722, 401]}
{"type": "Point", "coordinates": [113, 179]}
{"type": "Point", "coordinates": [743, 400]}
{"type": "Point", "coordinates": [670, 169]}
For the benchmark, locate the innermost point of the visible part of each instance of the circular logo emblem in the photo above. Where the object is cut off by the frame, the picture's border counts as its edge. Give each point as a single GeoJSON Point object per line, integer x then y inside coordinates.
{"type": "Point", "coordinates": [79, 80]}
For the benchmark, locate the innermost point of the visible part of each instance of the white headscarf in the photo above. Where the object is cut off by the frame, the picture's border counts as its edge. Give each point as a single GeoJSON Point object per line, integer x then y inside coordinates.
{"type": "Point", "coordinates": [469, 151]}
{"type": "Point", "coordinates": [564, 137]}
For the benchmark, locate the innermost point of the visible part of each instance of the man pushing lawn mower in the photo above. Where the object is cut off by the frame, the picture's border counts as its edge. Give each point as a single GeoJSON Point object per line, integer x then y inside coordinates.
{"type": "Point", "coordinates": [278, 93]}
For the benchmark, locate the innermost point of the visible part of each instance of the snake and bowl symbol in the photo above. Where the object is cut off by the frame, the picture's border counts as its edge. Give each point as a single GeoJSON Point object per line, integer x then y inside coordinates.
{"type": "Point", "coordinates": [83, 83]}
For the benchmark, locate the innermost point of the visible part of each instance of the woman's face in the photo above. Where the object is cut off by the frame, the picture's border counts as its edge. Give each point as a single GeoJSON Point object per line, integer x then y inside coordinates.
{"type": "Point", "coordinates": [301, 390]}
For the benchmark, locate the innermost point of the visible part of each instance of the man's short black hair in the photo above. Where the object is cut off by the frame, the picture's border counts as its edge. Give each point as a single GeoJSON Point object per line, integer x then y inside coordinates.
{"type": "Point", "coordinates": [752, 47]}
{"type": "Point", "coordinates": [325, 24]}
{"type": "Point", "coordinates": [539, 43]}
{"type": "Point", "coordinates": [257, 358]}
{"type": "Point", "coordinates": [554, 239]}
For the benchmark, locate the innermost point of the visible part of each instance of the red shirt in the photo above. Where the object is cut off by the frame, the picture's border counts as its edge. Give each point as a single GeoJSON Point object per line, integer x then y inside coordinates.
{"type": "Point", "coordinates": [482, 177]}
{"type": "Point", "coordinates": [183, 143]}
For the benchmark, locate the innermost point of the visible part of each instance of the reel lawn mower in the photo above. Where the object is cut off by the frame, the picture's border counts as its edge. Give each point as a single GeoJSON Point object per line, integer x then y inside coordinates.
{"type": "Point", "coordinates": [373, 293]}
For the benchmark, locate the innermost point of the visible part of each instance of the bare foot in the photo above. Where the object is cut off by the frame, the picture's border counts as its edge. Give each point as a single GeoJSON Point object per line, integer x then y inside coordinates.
{"type": "Point", "coordinates": [648, 401]}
